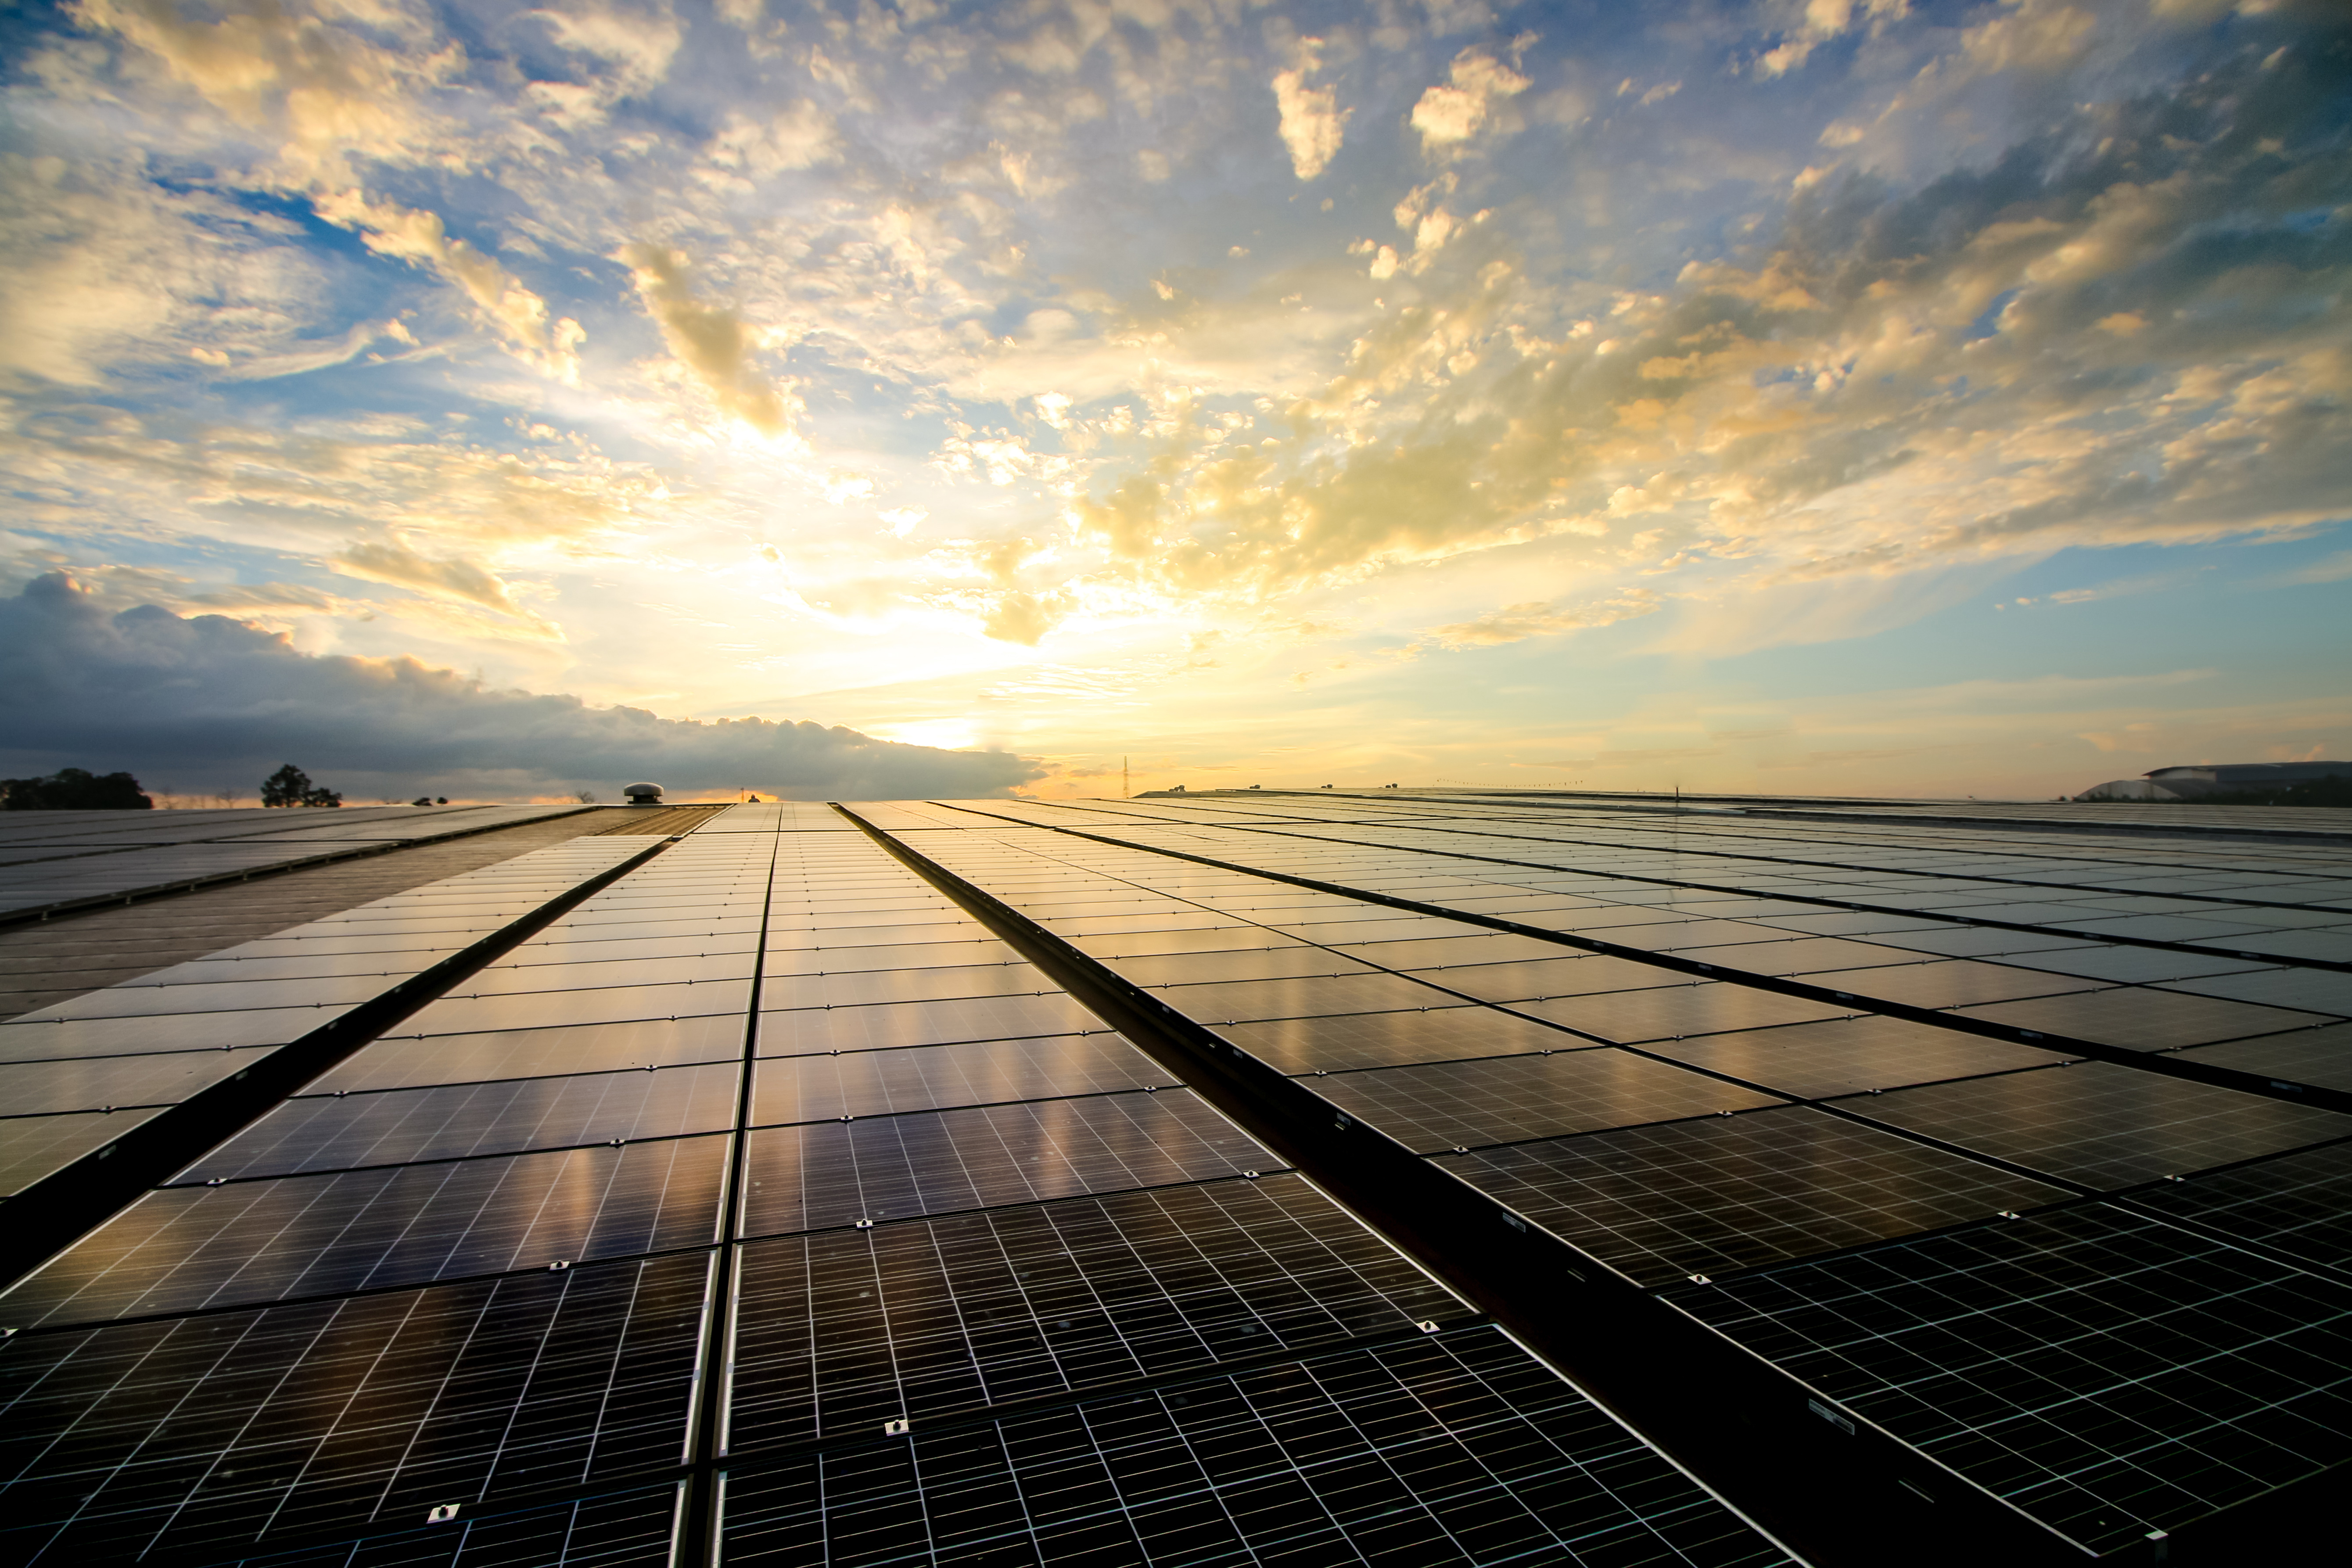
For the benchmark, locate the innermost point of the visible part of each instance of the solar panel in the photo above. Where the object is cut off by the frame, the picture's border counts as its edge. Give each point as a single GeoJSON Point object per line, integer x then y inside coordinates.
{"type": "Point", "coordinates": [1451, 1449]}
{"type": "Point", "coordinates": [216, 1432]}
{"type": "Point", "coordinates": [969, 1272]}
{"type": "Point", "coordinates": [2109, 1374]}
{"type": "Point", "coordinates": [1716, 1194]}
{"type": "Point", "coordinates": [2104, 1126]}
{"type": "Point", "coordinates": [833, 1173]}
{"type": "Point", "coordinates": [846, 1330]}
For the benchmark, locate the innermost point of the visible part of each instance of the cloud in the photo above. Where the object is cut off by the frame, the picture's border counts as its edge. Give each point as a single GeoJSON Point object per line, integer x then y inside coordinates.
{"type": "Point", "coordinates": [1312, 121]}
{"type": "Point", "coordinates": [343, 85]}
{"type": "Point", "coordinates": [1824, 20]}
{"type": "Point", "coordinates": [801, 137]}
{"type": "Point", "coordinates": [1454, 111]}
{"type": "Point", "coordinates": [1515, 622]}
{"type": "Point", "coordinates": [710, 341]}
{"type": "Point", "coordinates": [151, 692]}
{"type": "Point", "coordinates": [634, 43]}
{"type": "Point", "coordinates": [420, 239]}
{"type": "Point", "coordinates": [401, 567]}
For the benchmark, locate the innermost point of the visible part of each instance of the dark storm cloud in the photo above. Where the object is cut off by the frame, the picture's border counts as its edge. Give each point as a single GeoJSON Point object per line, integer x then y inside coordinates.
{"type": "Point", "coordinates": [209, 701]}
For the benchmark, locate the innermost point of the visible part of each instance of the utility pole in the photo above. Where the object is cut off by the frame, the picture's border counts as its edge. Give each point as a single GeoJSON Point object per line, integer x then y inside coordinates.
{"type": "Point", "coordinates": [1126, 791]}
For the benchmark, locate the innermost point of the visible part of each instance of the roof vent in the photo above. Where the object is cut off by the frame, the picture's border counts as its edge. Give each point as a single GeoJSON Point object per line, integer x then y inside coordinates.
{"type": "Point", "coordinates": [643, 795]}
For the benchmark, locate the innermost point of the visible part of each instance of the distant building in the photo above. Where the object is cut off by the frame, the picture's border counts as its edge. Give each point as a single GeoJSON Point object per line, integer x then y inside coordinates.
{"type": "Point", "coordinates": [2190, 783]}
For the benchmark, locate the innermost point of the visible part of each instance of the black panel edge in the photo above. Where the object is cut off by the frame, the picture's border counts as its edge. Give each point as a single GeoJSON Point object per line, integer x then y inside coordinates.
{"type": "Point", "coordinates": [57, 1211]}
{"type": "Point", "coordinates": [1833, 1488]}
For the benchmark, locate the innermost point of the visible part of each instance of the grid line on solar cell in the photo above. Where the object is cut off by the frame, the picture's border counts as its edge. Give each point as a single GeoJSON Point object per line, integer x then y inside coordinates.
{"type": "Point", "coordinates": [1506, 1100]}
{"type": "Point", "coordinates": [2299, 1204]}
{"type": "Point", "coordinates": [890, 1025]}
{"type": "Point", "coordinates": [545, 1009]}
{"type": "Point", "coordinates": [1726, 1193]}
{"type": "Point", "coordinates": [1352, 1040]}
{"type": "Point", "coordinates": [1459, 1449]}
{"type": "Point", "coordinates": [2313, 990]}
{"type": "Point", "coordinates": [411, 1061]}
{"type": "Point", "coordinates": [2107, 1372]}
{"type": "Point", "coordinates": [97, 1083]}
{"type": "Point", "coordinates": [861, 988]}
{"type": "Point", "coordinates": [1564, 973]}
{"type": "Point", "coordinates": [1242, 1000]}
{"type": "Point", "coordinates": [822, 1174]}
{"type": "Point", "coordinates": [2143, 1019]}
{"type": "Point", "coordinates": [1948, 982]}
{"type": "Point", "coordinates": [603, 974]}
{"type": "Point", "coordinates": [605, 1531]}
{"type": "Point", "coordinates": [1849, 1055]}
{"type": "Point", "coordinates": [182, 1250]}
{"type": "Point", "coordinates": [468, 1121]}
{"type": "Point", "coordinates": [843, 1330]}
{"type": "Point", "coordinates": [1668, 1012]}
{"type": "Point", "coordinates": [2321, 1057]}
{"type": "Point", "coordinates": [31, 1147]}
{"type": "Point", "coordinates": [886, 956]}
{"type": "Point", "coordinates": [2102, 1125]}
{"type": "Point", "coordinates": [935, 1078]}
{"type": "Point", "coordinates": [214, 1433]}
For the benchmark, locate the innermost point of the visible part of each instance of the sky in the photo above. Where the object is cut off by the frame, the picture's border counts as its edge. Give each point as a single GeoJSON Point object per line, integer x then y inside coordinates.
{"type": "Point", "coordinates": [893, 398]}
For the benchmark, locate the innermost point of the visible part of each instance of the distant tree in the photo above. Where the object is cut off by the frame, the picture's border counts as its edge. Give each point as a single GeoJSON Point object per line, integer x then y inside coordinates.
{"type": "Point", "coordinates": [289, 785]}
{"type": "Point", "coordinates": [586, 797]}
{"type": "Point", "coordinates": [74, 789]}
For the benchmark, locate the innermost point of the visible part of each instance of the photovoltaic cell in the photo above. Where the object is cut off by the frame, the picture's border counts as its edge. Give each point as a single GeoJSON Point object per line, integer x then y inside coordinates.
{"type": "Point", "coordinates": [2300, 1204]}
{"type": "Point", "coordinates": [1949, 983]}
{"type": "Point", "coordinates": [1384, 1040]}
{"type": "Point", "coordinates": [329, 1132]}
{"type": "Point", "coordinates": [844, 1331]}
{"type": "Point", "coordinates": [2108, 1374]}
{"type": "Point", "coordinates": [1564, 974]}
{"type": "Point", "coordinates": [2145, 1020]}
{"type": "Point", "coordinates": [938, 984]}
{"type": "Point", "coordinates": [607, 1531]}
{"type": "Point", "coordinates": [1707, 1007]}
{"type": "Point", "coordinates": [544, 1009]}
{"type": "Point", "coordinates": [33, 1146]}
{"type": "Point", "coordinates": [888, 1025]}
{"type": "Point", "coordinates": [843, 959]}
{"type": "Point", "coordinates": [1849, 1056]}
{"type": "Point", "coordinates": [92, 1083]}
{"type": "Point", "coordinates": [221, 1433]}
{"type": "Point", "coordinates": [934, 1077]}
{"type": "Point", "coordinates": [2315, 989]}
{"type": "Point", "coordinates": [1240, 1000]}
{"type": "Point", "coordinates": [1727, 1193]}
{"type": "Point", "coordinates": [2103, 1125]}
{"type": "Point", "coordinates": [2321, 1057]}
{"type": "Point", "coordinates": [1509, 1099]}
{"type": "Point", "coordinates": [407, 1062]}
{"type": "Point", "coordinates": [1460, 1448]}
{"type": "Point", "coordinates": [179, 1250]}
{"type": "Point", "coordinates": [829, 1173]}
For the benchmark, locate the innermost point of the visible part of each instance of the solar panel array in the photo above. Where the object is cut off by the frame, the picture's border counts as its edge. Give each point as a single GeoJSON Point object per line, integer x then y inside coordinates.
{"type": "Point", "coordinates": [766, 1205]}
{"type": "Point", "coordinates": [2029, 1148]}
{"type": "Point", "coordinates": [54, 860]}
